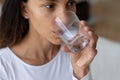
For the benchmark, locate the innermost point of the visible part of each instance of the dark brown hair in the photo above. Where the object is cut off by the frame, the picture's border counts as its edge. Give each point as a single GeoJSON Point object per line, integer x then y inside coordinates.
{"type": "Point", "coordinates": [13, 26]}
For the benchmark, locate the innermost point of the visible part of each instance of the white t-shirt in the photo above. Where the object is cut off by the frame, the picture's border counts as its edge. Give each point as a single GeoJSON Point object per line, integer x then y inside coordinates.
{"type": "Point", "coordinates": [13, 68]}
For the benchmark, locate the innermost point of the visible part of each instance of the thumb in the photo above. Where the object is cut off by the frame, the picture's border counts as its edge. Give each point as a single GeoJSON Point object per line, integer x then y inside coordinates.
{"type": "Point", "coordinates": [65, 49]}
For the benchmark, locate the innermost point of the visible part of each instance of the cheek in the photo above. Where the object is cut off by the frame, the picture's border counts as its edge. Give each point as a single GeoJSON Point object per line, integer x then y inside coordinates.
{"type": "Point", "coordinates": [44, 26]}
{"type": "Point", "coordinates": [45, 29]}
{"type": "Point", "coordinates": [40, 23]}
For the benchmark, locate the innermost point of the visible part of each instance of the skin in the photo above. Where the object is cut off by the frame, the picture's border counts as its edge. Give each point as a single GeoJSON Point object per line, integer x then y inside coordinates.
{"type": "Point", "coordinates": [41, 44]}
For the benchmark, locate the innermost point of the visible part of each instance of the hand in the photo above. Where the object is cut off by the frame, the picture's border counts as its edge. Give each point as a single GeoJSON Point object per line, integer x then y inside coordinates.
{"type": "Point", "coordinates": [81, 61]}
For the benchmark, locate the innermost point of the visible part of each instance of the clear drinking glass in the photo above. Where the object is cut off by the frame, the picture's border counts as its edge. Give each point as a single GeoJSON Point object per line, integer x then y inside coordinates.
{"type": "Point", "coordinates": [77, 41]}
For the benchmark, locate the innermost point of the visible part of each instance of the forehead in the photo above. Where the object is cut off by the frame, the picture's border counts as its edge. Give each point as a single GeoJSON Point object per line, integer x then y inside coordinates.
{"type": "Point", "coordinates": [55, 0]}
{"type": "Point", "coordinates": [48, 0]}
{"type": "Point", "coordinates": [44, 1]}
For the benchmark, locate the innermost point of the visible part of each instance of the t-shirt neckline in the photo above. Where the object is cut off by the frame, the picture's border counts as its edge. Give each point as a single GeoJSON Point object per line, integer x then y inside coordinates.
{"type": "Point", "coordinates": [33, 66]}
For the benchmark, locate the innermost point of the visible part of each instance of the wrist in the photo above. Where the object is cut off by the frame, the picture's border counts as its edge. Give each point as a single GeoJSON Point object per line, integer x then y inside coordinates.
{"type": "Point", "coordinates": [81, 73]}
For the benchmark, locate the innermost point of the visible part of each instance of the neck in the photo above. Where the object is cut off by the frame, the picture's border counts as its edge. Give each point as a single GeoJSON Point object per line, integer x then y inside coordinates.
{"type": "Point", "coordinates": [34, 50]}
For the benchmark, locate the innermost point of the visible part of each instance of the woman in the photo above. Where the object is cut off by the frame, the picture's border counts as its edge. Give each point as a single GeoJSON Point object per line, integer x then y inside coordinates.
{"type": "Point", "coordinates": [30, 50]}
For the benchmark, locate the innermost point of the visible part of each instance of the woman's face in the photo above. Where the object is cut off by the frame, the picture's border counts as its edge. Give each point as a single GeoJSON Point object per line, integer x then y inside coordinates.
{"type": "Point", "coordinates": [42, 13]}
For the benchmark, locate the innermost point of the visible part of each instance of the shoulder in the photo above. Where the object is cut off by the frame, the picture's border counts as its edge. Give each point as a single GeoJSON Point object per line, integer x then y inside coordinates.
{"type": "Point", "coordinates": [3, 52]}
{"type": "Point", "coordinates": [4, 56]}
{"type": "Point", "coordinates": [3, 72]}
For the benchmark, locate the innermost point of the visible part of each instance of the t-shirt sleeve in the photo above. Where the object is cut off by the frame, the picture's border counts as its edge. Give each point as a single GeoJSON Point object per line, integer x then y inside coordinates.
{"type": "Point", "coordinates": [86, 77]}
{"type": "Point", "coordinates": [3, 72]}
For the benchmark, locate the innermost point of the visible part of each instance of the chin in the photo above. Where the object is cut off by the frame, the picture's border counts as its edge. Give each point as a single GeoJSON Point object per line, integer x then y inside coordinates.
{"type": "Point", "coordinates": [57, 42]}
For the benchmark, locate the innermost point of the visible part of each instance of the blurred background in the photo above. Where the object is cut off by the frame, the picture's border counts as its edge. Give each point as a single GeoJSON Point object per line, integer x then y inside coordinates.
{"type": "Point", "coordinates": [104, 17]}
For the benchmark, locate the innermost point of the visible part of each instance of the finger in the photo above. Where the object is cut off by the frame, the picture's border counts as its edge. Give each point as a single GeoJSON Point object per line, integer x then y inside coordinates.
{"type": "Point", "coordinates": [87, 58]}
{"type": "Point", "coordinates": [83, 23]}
{"type": "Point", "coordinates": [93, 39]}
{"type": "Point", "coordinates": [86, 28]}
{"type": "Point", "coordinates": [91, 32]}
{"type": "Point", "coordinates": [65, 48]}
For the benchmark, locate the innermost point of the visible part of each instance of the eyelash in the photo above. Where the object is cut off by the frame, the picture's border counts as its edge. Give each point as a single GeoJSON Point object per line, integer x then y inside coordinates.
{"type": "Point", "coordinates": [72, 3]}
{"type": "Point", "coordinates": [52, 5]}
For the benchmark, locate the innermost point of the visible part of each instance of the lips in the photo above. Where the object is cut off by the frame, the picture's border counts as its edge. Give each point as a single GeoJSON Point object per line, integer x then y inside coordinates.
{"type": "Point", "coordinates": [55, 35]}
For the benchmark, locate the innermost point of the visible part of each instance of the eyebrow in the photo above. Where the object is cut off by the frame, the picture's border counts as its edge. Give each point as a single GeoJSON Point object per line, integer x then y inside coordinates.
{"type": "Point", "coordinates": [48, 0]}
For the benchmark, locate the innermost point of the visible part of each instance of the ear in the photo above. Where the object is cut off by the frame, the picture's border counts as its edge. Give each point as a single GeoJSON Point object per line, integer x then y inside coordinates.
{"type": "Point", "coordinates": [24, 10]}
